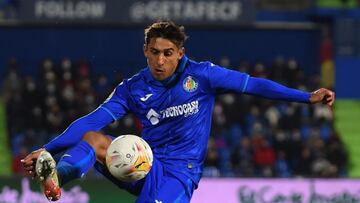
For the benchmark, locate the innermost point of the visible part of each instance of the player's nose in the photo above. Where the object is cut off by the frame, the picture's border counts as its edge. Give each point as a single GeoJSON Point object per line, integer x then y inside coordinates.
{"type": "Point", "coordinates": [161, 60]}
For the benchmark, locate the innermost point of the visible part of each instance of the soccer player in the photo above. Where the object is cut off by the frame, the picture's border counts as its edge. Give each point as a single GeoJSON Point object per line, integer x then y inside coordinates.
{"type": "Point", "coordinates": [174, 98]}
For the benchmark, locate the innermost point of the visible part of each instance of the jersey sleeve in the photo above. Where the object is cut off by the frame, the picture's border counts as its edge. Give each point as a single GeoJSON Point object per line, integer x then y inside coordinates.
{"type": "Point", "coordinates": [117, 103]}
{"type": "Point", "coordinates": [272, 90]}
{"type": "Point", "coordinates": [226, 80]}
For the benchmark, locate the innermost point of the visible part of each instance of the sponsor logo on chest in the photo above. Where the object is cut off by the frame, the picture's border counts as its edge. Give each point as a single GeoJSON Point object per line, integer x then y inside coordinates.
{"type": "Point", "coordinates": [179, 110]}
{"type": "Point", "coordinates": [185, 110]}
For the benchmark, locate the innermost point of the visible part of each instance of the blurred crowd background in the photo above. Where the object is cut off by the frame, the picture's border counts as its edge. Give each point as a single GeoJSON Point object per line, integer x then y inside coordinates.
{"type": "Point", "coordinates": [60, 59]}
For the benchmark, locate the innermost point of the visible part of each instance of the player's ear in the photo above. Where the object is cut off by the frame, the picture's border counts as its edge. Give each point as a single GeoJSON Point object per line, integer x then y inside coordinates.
{"type": "Point", "coordinates": [145, 49]}
{"type": "Point", "coordinates": [181, 52]}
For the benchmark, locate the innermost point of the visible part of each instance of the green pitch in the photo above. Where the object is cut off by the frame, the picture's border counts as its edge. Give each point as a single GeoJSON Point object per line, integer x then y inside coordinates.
{"type": "Point", "coordinates": [5, 160]}
{"type": "Point", "coordinates": [336, 4]}
{"type": "Point", "coordinates": [347, 122]}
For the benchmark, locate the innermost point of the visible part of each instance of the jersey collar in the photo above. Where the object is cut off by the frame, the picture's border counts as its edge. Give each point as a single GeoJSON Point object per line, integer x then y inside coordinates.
{"type": "Point", "coordinates": [180, 69]}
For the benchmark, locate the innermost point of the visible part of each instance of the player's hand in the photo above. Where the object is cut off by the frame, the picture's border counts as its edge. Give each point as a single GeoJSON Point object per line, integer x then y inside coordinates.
{"type": "Point", "coordinates": [29, 162]}
{"type": "Point", "coordinates": [322, 95]}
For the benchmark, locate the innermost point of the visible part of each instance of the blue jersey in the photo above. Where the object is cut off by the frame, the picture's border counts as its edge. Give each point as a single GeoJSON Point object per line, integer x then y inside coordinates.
{"type": "Point", "coordinates": [176, 115]}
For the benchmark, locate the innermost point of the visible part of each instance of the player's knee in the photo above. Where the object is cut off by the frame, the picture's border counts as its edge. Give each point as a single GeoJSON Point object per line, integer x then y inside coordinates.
{"type": "Point", "coordinates": [99, 142]}
{"type": "Point", "coordinates": [96, 140]}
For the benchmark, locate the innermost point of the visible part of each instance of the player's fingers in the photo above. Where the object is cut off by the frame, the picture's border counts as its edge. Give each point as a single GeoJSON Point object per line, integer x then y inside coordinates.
{"type": "Point", "coordinates": [27, 163]}
{"type": "Point", "coordinates": [330, 97]}
{"type": "Point", "coordinates": [28, 168]}
{"type": "Point", "coordinates": [330, 102]}
{"type": "Point", "coordinates": [28, 158]}
{"type": "Point", "coordinates": [32, 156]}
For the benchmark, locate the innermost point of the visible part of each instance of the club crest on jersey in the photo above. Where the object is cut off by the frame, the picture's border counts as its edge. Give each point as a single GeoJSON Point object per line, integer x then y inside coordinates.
{"type": "Point", "coordinates": [190, 84]}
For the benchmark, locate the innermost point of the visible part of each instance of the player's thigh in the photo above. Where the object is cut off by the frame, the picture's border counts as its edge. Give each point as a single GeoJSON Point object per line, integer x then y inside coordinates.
{"type": "Point", "coordinates": [161, 187]}
{"type": "Point", "coordinates": [172, 190]}
{"type": "Point", "coordinates": [132, 187]}
{"type": "Point", "coordinates": [144, 188]}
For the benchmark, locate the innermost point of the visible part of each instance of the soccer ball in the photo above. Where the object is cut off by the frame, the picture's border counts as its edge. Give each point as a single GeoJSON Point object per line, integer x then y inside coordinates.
{"type": "Point", "coordinates": [129, 158]}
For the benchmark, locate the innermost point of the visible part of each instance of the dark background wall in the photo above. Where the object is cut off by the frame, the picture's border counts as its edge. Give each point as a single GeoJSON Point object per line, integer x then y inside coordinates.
{"type": "Point", "coordinates": [111, 49]}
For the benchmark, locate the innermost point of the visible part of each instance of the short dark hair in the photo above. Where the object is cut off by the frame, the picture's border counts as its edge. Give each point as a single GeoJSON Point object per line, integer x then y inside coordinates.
{"type": "Point", "coordinates": [167, 30]}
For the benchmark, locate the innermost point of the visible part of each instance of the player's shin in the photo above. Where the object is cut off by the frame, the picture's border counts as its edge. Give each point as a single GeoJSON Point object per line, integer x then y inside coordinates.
{"type": "Point", "coordinates": [76, 162]}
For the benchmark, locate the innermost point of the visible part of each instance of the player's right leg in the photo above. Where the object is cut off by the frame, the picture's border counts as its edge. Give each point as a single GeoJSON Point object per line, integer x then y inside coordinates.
{"type": "Point", "coordinates": [132, 187]}
{"type": "Point", "coordinates": [74, 164]}
{"type": "Point", "coordinates": [159, 185]}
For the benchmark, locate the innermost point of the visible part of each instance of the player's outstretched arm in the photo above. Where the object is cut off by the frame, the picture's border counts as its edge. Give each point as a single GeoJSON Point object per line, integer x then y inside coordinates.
{"type": "Point", "coordinates": [322, 95]}
{"type": "Point", "coordinates": [272, 90]}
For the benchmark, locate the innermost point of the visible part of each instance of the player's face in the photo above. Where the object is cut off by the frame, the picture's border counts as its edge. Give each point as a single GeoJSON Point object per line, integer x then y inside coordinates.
{"type": "Point", "coordinates": [162, 57]}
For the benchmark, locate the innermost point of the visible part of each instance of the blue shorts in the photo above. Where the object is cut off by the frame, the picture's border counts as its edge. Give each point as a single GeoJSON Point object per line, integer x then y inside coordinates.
{"type": "Point", "coordinates": [160, 185]}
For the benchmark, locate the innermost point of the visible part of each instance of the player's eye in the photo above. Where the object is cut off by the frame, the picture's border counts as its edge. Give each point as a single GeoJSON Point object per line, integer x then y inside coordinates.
{"type": "Point", "coordinates": [168, 53]}
{"type": "Point", "coordinates": [154, 52]}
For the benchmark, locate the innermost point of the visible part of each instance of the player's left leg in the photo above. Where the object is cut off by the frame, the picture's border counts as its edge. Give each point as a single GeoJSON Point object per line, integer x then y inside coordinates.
{"type": "Point", "coordinates": [77, 161]}
{"type": "Point", "coordinates": [46, 173]}
{"type": "Point", "coordinates": [74, 164]}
